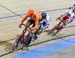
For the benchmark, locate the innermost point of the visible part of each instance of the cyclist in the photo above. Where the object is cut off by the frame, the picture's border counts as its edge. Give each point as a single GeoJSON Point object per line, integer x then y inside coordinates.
{"type": "Point", "coordinates": [45, 19]}
{"type": "Point", "coordinates": [74, 8]}
{"type": "Point", "coordinates": [35, 19]}
{"type": "Point", "coordinates": [67, 17]}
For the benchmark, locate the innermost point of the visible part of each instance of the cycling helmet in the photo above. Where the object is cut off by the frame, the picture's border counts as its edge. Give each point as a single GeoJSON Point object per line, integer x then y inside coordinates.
{"type": "Point", "coordinates": [30, 12]}
{"type": "Point", "coordinates": [44, 15]}
{"type": "Point", "coordinates": [70, 8]}
{"type": "Point", "coordinates": [73, 4]}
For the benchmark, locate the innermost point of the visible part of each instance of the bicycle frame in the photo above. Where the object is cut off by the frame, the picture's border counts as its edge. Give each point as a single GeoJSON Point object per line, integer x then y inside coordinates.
{"type": "Point", "coordinates": [22, 39]}
{"type": "Point", "coordinates": [26, 34]}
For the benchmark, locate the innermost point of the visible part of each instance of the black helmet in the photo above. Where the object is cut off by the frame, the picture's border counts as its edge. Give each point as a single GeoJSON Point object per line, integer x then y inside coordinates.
{"type": "Point", "coordinates": [44, 15]}
{"type": "Point", "coordinates": [73, 4]}
{"type": "Point", "coordinates": [70, 8]}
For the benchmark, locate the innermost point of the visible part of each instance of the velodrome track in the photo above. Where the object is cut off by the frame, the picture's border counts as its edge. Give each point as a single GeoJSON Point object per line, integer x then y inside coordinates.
{"type": "Point", "coordinates": [9, 20]}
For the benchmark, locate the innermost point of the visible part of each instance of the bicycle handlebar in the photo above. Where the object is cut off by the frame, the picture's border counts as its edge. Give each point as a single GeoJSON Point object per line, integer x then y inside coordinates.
{"type": "Point", "coordinates": [26, 26]}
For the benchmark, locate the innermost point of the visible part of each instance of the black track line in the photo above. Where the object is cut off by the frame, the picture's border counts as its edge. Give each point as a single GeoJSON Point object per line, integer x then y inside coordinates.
{"type": "Point", "coordinates": [10, 10]}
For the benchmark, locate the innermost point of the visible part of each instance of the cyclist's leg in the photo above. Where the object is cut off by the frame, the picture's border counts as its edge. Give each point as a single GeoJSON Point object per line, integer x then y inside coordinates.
{"type": "Point", "coordinates": [61, 27]}
{"type": "Point", "coordinates": [28, 34]}
{"type": "Point", "coordinates": [35, 34]}
{"type": "Point", "coordinates": [27, 25]}
{"type": "Point", "coordinates": [38, 31]}
{"type": "Point", "coordinates": [54, 28]}
{"type": "Point", "coordinates": [57, 28]}
{"type": "Point", "coordinates": [65, 22]}
{"type": "Point", "coordinates": [28, 40]}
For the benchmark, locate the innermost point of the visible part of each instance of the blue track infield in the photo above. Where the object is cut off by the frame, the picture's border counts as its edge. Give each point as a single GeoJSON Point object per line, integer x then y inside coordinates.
{"type": "Point", "coordinates": [43, 51]}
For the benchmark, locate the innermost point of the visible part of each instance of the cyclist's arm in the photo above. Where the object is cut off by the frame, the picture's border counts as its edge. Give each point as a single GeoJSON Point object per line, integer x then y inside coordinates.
{"type": "Point", "coordinates": [48, 20]}
{"type": "Point", "coordinates": [24, 19]}
{"type": "Point", "coordinates": [71, 18]}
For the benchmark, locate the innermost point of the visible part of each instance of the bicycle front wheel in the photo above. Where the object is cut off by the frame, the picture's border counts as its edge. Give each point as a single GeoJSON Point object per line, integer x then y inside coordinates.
{"type": "Point", "coordinates": [28, 40]}
{"type": "Point", "coordinates": [16, 43]}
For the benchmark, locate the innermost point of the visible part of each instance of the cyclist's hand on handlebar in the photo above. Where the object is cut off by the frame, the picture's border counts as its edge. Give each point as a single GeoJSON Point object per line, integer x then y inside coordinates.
{"type": "Point", "coordinates": [20, 25]}
{"type": "Point", "coordinates": [58, 18]}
